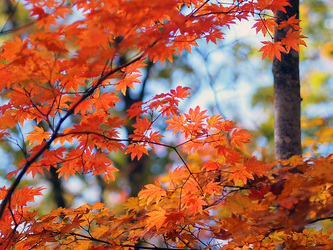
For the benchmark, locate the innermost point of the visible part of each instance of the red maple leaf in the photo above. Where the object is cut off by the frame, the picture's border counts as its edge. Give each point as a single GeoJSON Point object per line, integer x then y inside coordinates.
{"type": "Point", "coordinates": [271, 49]}
{"type": "Point", "coordinates": [292, 40]}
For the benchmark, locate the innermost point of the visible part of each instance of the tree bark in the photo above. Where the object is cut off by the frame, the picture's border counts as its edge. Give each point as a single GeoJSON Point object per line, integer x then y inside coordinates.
{"type": "Point", "coordinates": [287, 99]}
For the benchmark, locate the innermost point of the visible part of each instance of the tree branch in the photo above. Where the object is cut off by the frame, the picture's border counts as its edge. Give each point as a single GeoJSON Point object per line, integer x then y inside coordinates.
{"type": "Point", "coordinates": [55, 134]}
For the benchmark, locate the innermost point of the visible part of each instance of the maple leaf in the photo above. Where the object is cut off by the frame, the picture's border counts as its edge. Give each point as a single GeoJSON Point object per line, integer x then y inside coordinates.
{"type": "Point", "coordinates": [225, 125]}
{"type": "Point", "coordinates": [152, 193]}
{"type": "Point", "coordinates": [34, 169]}
{"type": "Point", "coordinates": [161, 52]}
{"type": "Point", "coordinates": [196, 116]}
{"type": "Point", "coordinates": [291, 22]}
{"type": "Point", "coordinates": [178, 174]}
{"type": "Point", "coordinates": [184, 42]}
{"type": "Point", "coordinates": [51, 41]}
{"type": "Point", "coordinates": [273, 5]}
{"type": "Point", "coordinates": [292, 40]}
{"type": "Point", "coordinates": [26, 194]}
{"type": "Point", "coordinates": [135, 110]}
{"type": "Point", "coordinates": [156, 219]}
{"type": "Point", "coordinates": [105, 101]}
{"type": "Point", "coordinates": [38, 135]}
{"type": "Point", "coordinates": [260, 192]}
{"type": "Point", "coordinates": [212, 187]}
{"type": "Point", "coordinates": [82, 107]}
{"type": "Point", "coordinates": [38, 11]}
{"type": "Point", "coordinates": [142, 125]}
{"type": "Point", "coordinates": [191, 124]}
{"type": "Point", "coordinates": [94, 37]}
{"type": "Point", "coordinates": [193, 203]}
{"type": "Point", "coordinates": [15, 47]}
{"type": "Point", "coordinates": [127, 82]}
{"type": "Point", "coordinates": [62, 11]}
{"type": "Point", "coordinates": [240, 174]}
{"type": "Point", "coordinates": [66, 169]}
{"type": "Point", "coordinates": [212, 165]}
{"type": "Point", "coordinates": [239, 137]}
{"type": "Point", "coordinates": [262, 4]}
{"type": "Point", "coordinates": [72, 164]}
{"type": "Point", "coordinates": [136, 150]}
{"type": "Point", "coordinates": [272, 49]}
{"type": "Point", "coordinates": [74, 223]}
{"type": "Point", "coordinates": [177, 123]}
{"type": "Point", "coordinates": [213, 35]}
{"type": "Point", "coordinates": [278, 5]}
{"type": "Point", "coordinates": [99, 231]}
{"type": "Point", "coordinates": [132, 204]}
{"type": "Point", "coordinates": [62, 137]}
{"type": "Point", "coordinates": [265, 25]}
{"type": "Point", "coordinates": [257, 167]}
{"type": "Point", "coordinates": [180, 92]}
{"type": "Point", "coordinates": [154, 137]}
{"type": "Point", "coordinates": [230, 156]}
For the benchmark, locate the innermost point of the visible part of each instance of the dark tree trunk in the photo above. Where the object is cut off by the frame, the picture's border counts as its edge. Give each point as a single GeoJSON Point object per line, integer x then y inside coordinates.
{"type": "Point", "coordinates": [287, 100]}
{"type": "Point", "coordinates": [136, 170]}
{"type": "Point", "coordinates": [57, 190]}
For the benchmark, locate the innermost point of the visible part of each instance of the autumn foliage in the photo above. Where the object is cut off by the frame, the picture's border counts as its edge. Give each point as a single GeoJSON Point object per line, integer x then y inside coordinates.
{"type": "Point", "coordinates": [216, 197]}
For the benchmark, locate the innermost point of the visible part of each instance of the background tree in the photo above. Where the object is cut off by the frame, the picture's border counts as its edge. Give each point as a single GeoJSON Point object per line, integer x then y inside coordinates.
{"type": "Point", "coordinates": [287, 99]}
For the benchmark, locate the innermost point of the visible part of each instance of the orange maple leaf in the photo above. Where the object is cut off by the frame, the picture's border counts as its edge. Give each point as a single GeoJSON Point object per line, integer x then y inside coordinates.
{"type": "Point", "coordinates": [180, 92]}
{"type": "Point", "coordinates": [135, 110]}
{"type": "Point", "coordinates": [240, 174]}
{"type": "Point", "coordinates": [34, 169]}
{"type": "Point", "coordinates": [257, 167]}
{"type": "Point", "coordinates": [196, 115]}
{"type": "Point", "coordinates": [259, 192]}
{"type": "Point", "coordinates": [136, 150]}
{"type": "Point", "coordinates": [212, 187]}
{"type": "Point", "coordinates": [177, 123]}
{"type": "Point", "coordinates": [38, 135]}
{"type": "Point", "coordinates": [104, 101]}
{"type": "Point", "coordinates": [239, 137]}
{"type": "Point", "coordinates": [212, 165]}
{"type": "Point", "coordinates": [83, 106]}
{"type": "Point", "coordinates": [265, 25]}
{"type": "Point", "coordinates": [127, 82]}
{"type": "Point", "coordinates": [66, 170]}
{"type": "Point", "coordinates": [183, 42]}
{"type": "Point", "coordinates": [156, 219]}
{"type": "Point", "coordinates": [230, 156]}
{"type": "Point", "coordinates": [272, 49]}
{"type": "Point", "coordinates": [276, 5]}
{"type": "Point", "coordinates": [65, 136]}
{"type": "Point", "coordinates": [152, 193]}
{"type": "Point", "coordinates": [193, 203]}
{"type": "Point", "coordinates": [25, 194]}
{"type": "Point", "coordinates": [178, 174]}
{"type": "Point", "coordinates": [213, 35]}
{"type": "Point", "coordinates": [75, 222]}
{"type": "Point", "coordinates": [132, 204]}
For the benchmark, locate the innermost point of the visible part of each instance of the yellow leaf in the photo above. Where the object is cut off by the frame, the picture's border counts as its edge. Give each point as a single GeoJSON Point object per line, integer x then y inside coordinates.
{"type": "Point", "coordinates": [99, 231]}
{"type": "Point", "coordinates": [133, 204]}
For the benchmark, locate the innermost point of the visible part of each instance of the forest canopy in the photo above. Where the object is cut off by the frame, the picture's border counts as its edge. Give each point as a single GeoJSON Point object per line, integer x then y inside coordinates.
{"type": "Point", "coordinates": [61, 81]}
